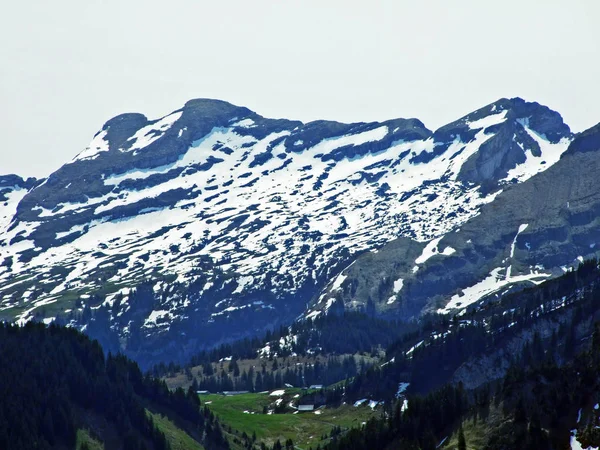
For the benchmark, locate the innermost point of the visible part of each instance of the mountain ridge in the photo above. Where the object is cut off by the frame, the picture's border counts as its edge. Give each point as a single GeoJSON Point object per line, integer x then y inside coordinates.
{"type": "Point", "coordinates": [213, 213]}
{"type": "Point", "coordinates": [548, 222]}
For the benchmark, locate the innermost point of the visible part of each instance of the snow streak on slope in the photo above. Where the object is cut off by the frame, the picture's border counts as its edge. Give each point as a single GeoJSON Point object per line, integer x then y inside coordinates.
{"type": "Point", "coordinates": [8, 207]}
{"type": "Point", "coordinates": [98, 145]}
{"type": "Point", "coordinates": [494, 282]}
{"type": "Point", "coordinates": [550, 154]}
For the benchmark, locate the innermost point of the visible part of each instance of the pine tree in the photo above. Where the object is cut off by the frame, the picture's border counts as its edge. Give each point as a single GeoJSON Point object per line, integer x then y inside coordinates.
{"type": "Point", "coordinates": [462, 443]}
{"type": "Point", "coordinates": [520, 413]}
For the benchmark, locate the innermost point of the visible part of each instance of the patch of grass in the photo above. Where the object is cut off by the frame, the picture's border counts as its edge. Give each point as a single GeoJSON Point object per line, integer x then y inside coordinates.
{"type": "Point", "coordinates": [66, 301]}
{"type": "Point", "coordinates": [12, 312]}
{"type": "Point", "coordinates": [84, 438]}
{"type": "Point", "coordinates": [477, 433]}
{"type": "Point", "coordinates": [176, 437]}
{"type": "Point", "coordinates": [244, 413]}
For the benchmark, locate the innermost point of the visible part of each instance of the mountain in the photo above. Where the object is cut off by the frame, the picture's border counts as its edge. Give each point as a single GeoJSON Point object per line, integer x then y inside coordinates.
{"type": "Point", "coordinates": [531, 232]}
{"type": "Point", "coordinates": [167, 236]}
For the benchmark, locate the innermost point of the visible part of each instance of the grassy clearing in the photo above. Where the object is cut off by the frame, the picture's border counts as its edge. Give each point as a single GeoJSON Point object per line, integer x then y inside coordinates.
{"type": "Point", "coordinates": [176, 437]}
{"type": "Point", "coordinates": [477, 432]}
{"type": "Point", "coordinates": [84, 437]}
{"type": "Point", "coordinates": [244, 413]}
{"type": "Point", "coordinates": [65, 301]}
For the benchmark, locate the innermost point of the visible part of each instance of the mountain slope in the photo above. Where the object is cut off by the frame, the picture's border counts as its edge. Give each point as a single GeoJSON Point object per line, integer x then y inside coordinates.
{"type": "Point", "coordinates": [531, 232]}
{"type": "Point", "coordinates": [524, 368]}
{"type": "Point", "coordinates": [214, 215]}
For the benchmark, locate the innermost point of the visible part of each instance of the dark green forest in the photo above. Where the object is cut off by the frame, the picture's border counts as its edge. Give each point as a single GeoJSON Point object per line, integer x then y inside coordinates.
{"type": "Point", "coordinates": [548, 382]}
{"type": "Point", "coordinates": [350, 332]}
{"type": "Point", "coordinates": [328, 336]}
{"type": "Point", "coordinates": [444, 343]}
{"type": "Point", "coordinates": [56, 380]}
{"type": "Point", "coordinates": [538, 402]}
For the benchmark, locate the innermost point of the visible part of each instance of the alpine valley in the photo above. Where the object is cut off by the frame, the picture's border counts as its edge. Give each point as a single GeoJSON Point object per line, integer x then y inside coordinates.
{"type": "Point", "coordinates": [167, 237]}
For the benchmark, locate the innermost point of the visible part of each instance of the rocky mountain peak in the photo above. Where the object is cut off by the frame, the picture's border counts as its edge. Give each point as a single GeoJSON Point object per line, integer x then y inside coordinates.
{"type": "Point", "coordinates": [525, 134]}
{"type": "Point", "coordinates": [206, 107]}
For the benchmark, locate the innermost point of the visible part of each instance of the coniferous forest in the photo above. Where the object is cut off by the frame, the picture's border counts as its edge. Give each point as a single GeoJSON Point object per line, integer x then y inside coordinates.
{"type": "Point", "coordinates": [55, 381]}
{"type": "Point", "coordinates": [537, 408]}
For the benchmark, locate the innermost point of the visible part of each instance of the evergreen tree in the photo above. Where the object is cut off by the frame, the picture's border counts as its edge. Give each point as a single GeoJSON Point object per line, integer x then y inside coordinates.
{"type": "Point", "coordinates": [462, 443]}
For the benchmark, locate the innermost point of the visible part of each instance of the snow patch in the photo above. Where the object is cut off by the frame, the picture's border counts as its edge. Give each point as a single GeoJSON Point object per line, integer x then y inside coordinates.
{"type": "Point", "coordinates": [398, 285]}
{"type": "Point", "coordinates": [448, 251]}
{"type": "Point", "coordinates": [97, 146]}
{"type": "Point", "coordinates": [402, 387]}
{"type": "Point", "coordinates": [494, 282]}
{"type": "Point", "coordinates": [150, 133]}
{"type": "Point", "coordinates": [412, 349]}
{"type": "Point", "coordinates": [337, 284]}
{"type": "Point", "coordinates": [550, 154]}
{"type": "Point", "coordinates": [429, 251]}
{"type": "Point", "coordinates": [576, 445]}
{"type": "Point", "coordinates": [488, 121]}
{"type": "Point", "coordinates": [244, 123]}
{"type": "Point", "coordinates": [243, 283]}
{"type": "Point", "coordinates": [154, 317]}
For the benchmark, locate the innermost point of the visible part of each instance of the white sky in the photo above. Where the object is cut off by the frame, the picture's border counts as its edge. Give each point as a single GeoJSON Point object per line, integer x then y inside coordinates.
{"type": "Point", "coordinates": [67, 66]}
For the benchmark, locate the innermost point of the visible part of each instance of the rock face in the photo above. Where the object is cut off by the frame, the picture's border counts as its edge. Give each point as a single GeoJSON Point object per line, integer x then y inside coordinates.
{"type": "Point", "coordinates": [12, 190]}
{"type": "Point", "coordinates": [165, 236]}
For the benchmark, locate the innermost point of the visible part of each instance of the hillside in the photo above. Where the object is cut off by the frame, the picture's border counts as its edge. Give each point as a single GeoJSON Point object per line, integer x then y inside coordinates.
{"type": "Point", "coordinates": [540, 406]}
{"type": "Point", "coordinates": [515, 373]}
{"type": "Point", "coordinates": [59, 391]}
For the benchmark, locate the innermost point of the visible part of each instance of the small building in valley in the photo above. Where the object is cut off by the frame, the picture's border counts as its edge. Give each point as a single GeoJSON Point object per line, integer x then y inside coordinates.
{"type": "Point", "coordinates": [230, 393]}
{"type": "Point", "coordinates": [306, 408]}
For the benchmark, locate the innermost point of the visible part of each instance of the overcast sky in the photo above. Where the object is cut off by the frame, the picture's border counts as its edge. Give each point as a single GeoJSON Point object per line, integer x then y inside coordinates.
{"type": "Point", "coordinates": [67, 66]}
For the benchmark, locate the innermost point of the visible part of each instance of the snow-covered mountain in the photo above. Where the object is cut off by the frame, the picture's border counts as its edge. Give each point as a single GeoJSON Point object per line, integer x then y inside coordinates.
{"type": "Point", "coordinates": [162, 232]}
{"type": "Point", "coordinates": [531, 232]}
